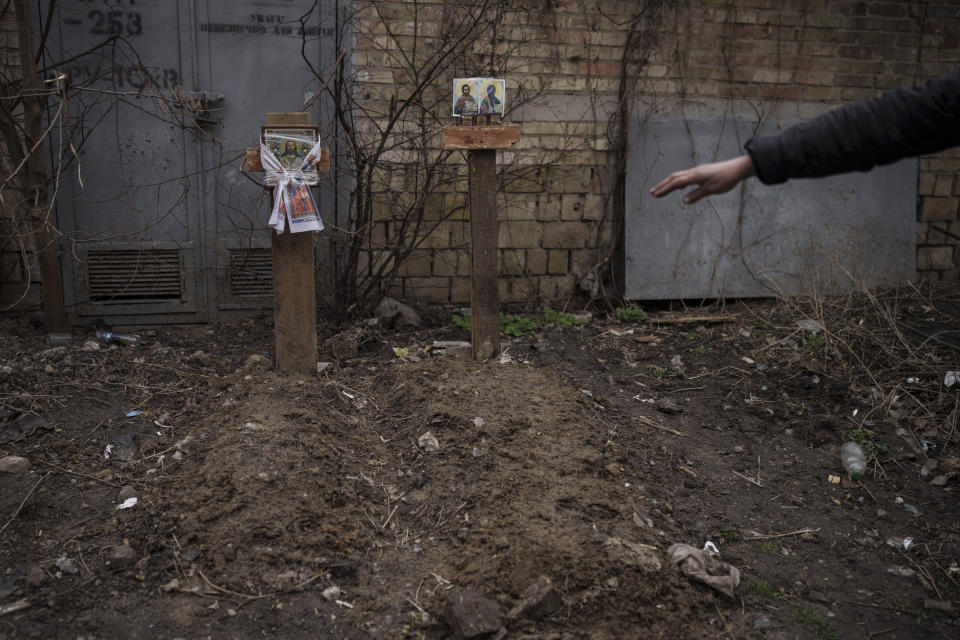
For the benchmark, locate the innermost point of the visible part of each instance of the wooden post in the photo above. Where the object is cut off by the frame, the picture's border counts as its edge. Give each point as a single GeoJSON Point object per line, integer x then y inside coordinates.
{"type": "Point", "coordinates": [481, 142]}
{"type": "Point", "coordinates": [35, 178]}
{"type": "Point", "coordinates": [294, 281]}
{"type": "Point", "coordinates": [294, 302]}
{"type": "Point", "coordinates": [484, 268]}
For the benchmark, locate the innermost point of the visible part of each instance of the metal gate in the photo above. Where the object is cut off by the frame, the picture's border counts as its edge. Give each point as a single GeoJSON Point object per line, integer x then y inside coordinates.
{"type": "Point", "coordinates": [161, 223]}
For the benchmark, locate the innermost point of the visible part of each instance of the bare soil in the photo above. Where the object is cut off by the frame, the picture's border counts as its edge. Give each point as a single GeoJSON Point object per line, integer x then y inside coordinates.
{"type": "Point", "coordinates": [259, 491]}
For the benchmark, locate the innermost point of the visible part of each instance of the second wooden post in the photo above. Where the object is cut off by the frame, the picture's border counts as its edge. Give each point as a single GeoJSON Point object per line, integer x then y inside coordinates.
{"type": "Point", "coordinates": [481, 143]}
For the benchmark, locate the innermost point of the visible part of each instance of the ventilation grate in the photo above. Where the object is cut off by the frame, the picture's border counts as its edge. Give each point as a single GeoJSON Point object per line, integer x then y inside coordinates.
{"type": "Point", "coordinates": [123, 276]}
{"type": "Point", "coordinates": [251, 273]}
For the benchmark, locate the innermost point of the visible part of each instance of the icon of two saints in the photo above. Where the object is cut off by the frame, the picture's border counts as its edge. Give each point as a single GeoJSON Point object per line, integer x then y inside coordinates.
{"type": "Point", "coordinates": [468, 101]}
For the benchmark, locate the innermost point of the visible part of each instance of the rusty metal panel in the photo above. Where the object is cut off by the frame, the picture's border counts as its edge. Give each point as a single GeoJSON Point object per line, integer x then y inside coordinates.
{"type": "Point", "coordinates": [805, 236]}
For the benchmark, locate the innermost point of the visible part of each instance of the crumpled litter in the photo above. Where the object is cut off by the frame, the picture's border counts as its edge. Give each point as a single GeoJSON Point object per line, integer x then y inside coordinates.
{"type": "Point", "coordinates": [699, 565]}
{"type": "Point", "coordinates": [951, 378]}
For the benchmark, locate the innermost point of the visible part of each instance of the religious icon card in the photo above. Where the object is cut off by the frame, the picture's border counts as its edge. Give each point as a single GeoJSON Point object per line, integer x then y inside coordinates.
{"type": "Point", "coordinates": [478, 96]}
{"type": "Point", "coordinates": [291, 145]}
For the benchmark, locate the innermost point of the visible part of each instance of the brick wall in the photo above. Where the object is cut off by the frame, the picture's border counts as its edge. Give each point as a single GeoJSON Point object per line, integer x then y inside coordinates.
{"type": "Point", "coordinates": [556, 216]}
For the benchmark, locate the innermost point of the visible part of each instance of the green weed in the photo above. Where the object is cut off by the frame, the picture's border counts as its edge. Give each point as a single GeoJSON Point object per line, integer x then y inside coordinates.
{"type": "Point", "coordinates": [771, 547]}
{"type": "Point", "coordinates": [630, 314]}
{"type": "Point", "coordinates": [516, 325]}
{"type": "Point", "coordinates": [823, 629]}
{"type": "Point", "coordinates": [730, 535]}
{"type": "Point", "coordinates": [462, 322]}
{"type": "Point", "coordinates": [868, 442]}
{"type": "Point", "coordinates": [763, 589]}
{"type": "Point", "coordinates": [561, 318]}
{"type": "Point", "coordinates": [814, 341]}
{"type": "Point", "coordinates": [702, 349]}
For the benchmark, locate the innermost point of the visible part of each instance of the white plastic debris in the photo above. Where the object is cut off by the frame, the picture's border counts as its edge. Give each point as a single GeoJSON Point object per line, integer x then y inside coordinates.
{"type": "Point", "coordinates": [913, 380]}
{"type": "Point", "coordinates": [107, 451]}
{"type": "Point", "coordinates": [66, 565]}
{"type": "Point", "coordinates": [331, 593]}
{"type": "Point", "coordinates": [428, 442]}
{"type": "Point", "coordinates": [711, 548]}
{"type": "Point", "coordinates": [810, 326]}
{"type": "Point", "coordinates": [126, 504]}
{"type": "Point", "coordinates": [951, 378]}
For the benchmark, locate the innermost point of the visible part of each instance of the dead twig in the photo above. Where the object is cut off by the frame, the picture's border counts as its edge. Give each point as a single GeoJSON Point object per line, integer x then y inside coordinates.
{"type": "Point", "coordinates": [693, 319]}
{"type": "Point", "coordinates": [27, 497]}
{"type": "Point", "coordinates": [747, 478]}
{"type": "Point", "coordinates": [77, 473]}
{"type": "Point", "coordinates": [650, 423]}
{"type": "Point", "coordinates": [14, 606]}
{"type": "Point", "coordinates": [772, 536]}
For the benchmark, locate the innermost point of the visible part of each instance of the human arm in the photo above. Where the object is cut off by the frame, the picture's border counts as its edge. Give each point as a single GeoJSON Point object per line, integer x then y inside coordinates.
{"type": "Point", "coordinates": [905, 122]}
{"type": "Point", "coordinates": [717, 177]}
{"type": "Point", "coordinates": [902, 123]}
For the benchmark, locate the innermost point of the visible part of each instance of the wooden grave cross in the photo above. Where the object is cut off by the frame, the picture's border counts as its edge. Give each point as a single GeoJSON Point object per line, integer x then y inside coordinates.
{"type": "Point", "coordinates": [481, 140]}
{"type": "Point", "coordinates": [294, 277]}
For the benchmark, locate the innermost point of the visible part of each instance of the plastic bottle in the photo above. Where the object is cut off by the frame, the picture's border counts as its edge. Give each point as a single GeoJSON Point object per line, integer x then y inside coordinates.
{"type": "Point", "coordinates": [851, 455]}
{"type": "Point", "coordinates": [111, 337]}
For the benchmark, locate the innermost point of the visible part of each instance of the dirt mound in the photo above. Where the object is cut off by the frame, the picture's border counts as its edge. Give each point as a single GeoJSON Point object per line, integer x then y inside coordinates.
{"type": "Point", "coordinates": [295, 479]}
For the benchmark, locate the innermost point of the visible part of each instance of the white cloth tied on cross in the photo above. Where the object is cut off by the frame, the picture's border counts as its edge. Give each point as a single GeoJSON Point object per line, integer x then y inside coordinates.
{"type": "Point", "coordinates": [293, 201]}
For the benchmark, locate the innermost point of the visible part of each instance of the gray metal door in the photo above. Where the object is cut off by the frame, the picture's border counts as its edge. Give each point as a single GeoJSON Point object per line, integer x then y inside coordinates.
{"type": "Point", "coordinates": [253, 53]}
{"type": "Point", "coordinates": [806, 236]}
{"type": "Point", "coordinates": [162, 222]}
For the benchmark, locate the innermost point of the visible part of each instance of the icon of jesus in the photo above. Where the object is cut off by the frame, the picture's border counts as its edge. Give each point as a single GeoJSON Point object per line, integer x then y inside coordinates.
{"type": "Point", "coordinates": [466, 105]}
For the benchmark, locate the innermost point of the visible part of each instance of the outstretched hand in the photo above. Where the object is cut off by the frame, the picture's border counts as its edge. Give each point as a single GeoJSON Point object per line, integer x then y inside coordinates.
{"type": "Point", "coordinates": [718, 177]}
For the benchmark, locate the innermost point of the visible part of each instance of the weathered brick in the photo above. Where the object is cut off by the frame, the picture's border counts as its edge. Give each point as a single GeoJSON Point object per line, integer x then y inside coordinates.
{"type": "Point", "coordinates": [594, 207]}
{"type": "Point", "coordinates": [557, 261]}
{"type": "Point", "coordinates": [427, 289]}
{"type": "Point", "coordinates": [536, 262]}
{"type": "Point", "coordinates": [417, 264]}
{"type": "Point", "coordinates": [548, 207]}
{"type": "Point", "coordinates": [511, 262]}
{"type": "Point", "coordinates": [519, 207]}
{"type": "Point", "coordinates": [455, 206]}
{"type": "Point", "coordinates": [571, 207]}
{"type": "Point", "coordinates": [516, 290]}
{"type": "Point", "coordinates": [934, 258]}
{"type": "Point", "coordinates": [939, 209]}
{"type": "Point", "coordinates": [943, 185]}
{"type": "Point", "coordinates": [526, 180]}
{"type": "Point", "coordinates": [445, 263]}
{"type": "Point", "coordinates": [459, 290]}
{"type": "Point", "coordinates": [520, 234]}
{"type": "Point", "coordinates": [565, 235]}
{"type": "Point", "coordinates": [926, 183]}
{"type": "Point", "coordinates": [555, 288]}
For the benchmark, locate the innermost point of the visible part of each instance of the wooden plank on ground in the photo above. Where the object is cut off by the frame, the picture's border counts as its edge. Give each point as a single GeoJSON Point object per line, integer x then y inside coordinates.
{"type": "Point", "coordinates": [484, 269]}
{"type": "Point", "coordinates": [295, 303]}
{"type": "Point", "coordinates": [483, 137]}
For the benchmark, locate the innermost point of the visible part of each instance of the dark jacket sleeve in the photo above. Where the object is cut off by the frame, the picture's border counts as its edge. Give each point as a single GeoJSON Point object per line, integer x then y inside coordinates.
{"type": "Point", "coordinates": [905, 122]}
